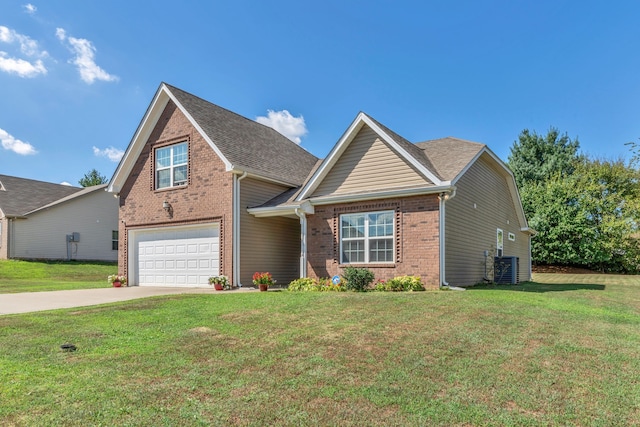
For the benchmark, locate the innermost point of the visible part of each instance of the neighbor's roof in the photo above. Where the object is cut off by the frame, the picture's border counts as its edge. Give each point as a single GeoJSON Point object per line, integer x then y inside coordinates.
{"type": "Point", "coordinates": [18, 196]}
{"type": "Point", "coordinates": [77, 194]}
{"type": "Point", "coordinates": [247, 144]}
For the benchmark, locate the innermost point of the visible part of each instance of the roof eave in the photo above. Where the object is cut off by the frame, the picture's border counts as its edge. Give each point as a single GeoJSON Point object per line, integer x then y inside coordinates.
{"type": "Point", "coordinates": [282, 210]}
{"type": "Point", "coordinates": [385, 194]}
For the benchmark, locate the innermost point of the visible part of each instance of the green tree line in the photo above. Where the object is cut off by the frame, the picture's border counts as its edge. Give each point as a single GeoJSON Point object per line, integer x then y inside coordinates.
{"type": "Point", "coordinates": [586, 210]}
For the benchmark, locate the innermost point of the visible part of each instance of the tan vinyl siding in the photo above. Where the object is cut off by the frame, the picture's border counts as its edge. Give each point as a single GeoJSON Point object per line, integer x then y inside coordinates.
{"type": "Point", "coordinates": [482, 205]}
{"type": "Point", "coordinates": [368, 163]}
{"type": "Point", "coordinates": [267, 244]}
{"type": "Point", "coordinates": [43, 233]}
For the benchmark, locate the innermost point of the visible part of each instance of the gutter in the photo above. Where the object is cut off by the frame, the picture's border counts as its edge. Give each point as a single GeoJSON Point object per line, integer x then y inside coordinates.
{"type": "Point", "coordinates": [236, 228]}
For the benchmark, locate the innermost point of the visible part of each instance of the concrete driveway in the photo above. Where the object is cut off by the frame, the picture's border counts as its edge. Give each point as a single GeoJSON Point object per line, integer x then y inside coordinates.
{"type": "Point", "coordinates": [40, 301]}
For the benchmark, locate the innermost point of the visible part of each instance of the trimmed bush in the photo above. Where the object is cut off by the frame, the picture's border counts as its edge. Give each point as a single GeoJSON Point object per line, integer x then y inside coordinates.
{"type": "Point", "coordinates": [400, 284]}
{"type": "Point", "coordinates": [312, 285]}
{"type": "Point", "coordinates": [357, 279]}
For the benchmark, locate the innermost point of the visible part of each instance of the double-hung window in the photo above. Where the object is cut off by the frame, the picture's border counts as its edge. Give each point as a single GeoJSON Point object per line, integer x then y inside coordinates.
{"type": "Point", "coordinates": [171, 165]}
{"type": "Point", "coordinates": [114, 240]}
{"type": "Point", "coordinates": [367, 238]}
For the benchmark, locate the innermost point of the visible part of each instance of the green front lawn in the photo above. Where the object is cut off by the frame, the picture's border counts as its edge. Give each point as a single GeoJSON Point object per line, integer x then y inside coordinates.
{"type": "Point", "coordinates": [554, 352]}
{"type": "Point", "coordinates": [37, 276]}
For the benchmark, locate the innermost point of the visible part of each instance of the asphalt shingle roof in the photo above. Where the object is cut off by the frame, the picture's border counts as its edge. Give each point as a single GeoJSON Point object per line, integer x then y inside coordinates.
{"type": "Point", "coordinates": [449, 156]}
{"type": "Point", "coordinates": [248, 144]}
{"type": "Point", "coordinates": [19, 196]}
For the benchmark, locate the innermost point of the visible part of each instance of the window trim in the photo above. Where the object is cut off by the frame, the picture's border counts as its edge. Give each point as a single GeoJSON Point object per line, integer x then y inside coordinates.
{"type": "Point", "coordinates": [171, 166]}
{"type": "Point", "coordinates": [499, 242]}
{"type": "Point", "coordinates": [366, 238]}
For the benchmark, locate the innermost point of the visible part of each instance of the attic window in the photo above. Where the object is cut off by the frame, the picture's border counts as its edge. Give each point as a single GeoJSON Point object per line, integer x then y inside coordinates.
{"type": "Point", "coordinates": [171, 165]}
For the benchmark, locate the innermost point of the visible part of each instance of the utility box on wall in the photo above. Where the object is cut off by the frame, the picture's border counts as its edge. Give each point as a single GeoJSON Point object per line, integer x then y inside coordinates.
{"type": "Point", "coordinates": [73, 237]}
{"type": "Point", "coordinates": [505, 270]}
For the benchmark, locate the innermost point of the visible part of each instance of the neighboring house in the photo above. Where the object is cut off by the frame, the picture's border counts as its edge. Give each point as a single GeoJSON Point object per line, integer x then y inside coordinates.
{"type": "Point", "coordinates": [42, 220]}
{"type": "Point", "coordinates": [204, 191]}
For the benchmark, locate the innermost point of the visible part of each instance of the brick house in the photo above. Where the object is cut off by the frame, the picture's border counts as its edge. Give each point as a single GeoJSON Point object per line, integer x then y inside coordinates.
{"type": "Point", "coordinates": [204, 191]}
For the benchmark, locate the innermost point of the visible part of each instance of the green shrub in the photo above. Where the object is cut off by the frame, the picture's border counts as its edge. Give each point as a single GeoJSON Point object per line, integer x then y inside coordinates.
{"type": "Point", "coordinates": [314, 285]}
{"type": "Point", "coordinates": [400, 284]}
{"type": "Point", "coordinates": [357, 279]}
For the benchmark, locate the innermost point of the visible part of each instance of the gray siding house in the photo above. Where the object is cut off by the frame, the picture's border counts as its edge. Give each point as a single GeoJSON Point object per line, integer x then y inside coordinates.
{"type": "Point", "coordinates": [42, 220]}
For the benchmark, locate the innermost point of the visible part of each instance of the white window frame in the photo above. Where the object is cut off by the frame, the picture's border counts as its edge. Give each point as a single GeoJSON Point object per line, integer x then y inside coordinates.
{"type": "Point", "coordinates": [367, 238]}
{"type": "Point", "coordinates": [172, 166]}
{"type": "Point", "coordinates": [499, 242]}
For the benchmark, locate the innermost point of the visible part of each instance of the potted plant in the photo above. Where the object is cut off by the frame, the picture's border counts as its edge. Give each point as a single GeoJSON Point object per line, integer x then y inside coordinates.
{"type": "Point", "coordinates": [117, 280]}
{"type": "Point", "coordinates": [263, 280]}
{"type": "Point", "coordinates": [220, 283]}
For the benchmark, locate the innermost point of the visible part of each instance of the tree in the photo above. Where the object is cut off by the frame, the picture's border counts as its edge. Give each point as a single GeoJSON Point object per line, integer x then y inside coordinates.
{"type": "Point", "coordinates": [535, 158]}
{"type": "Point", "coordinates": [634, 147]}
{"type": "Point", "coordinates": [586, 211]}
{"type": "Point", "coordinates": [590, 218]}
{"type": "Point", "coordinates": [92, 177]}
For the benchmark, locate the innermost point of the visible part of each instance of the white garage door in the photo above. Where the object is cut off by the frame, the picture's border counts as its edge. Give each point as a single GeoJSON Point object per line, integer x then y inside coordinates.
{"type": "Point", "coordinates": [177, 256]}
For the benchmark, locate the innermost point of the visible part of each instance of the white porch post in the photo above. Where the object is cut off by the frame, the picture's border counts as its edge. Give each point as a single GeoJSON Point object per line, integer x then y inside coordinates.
{"type": "Point", "coordinates": [303, 243]}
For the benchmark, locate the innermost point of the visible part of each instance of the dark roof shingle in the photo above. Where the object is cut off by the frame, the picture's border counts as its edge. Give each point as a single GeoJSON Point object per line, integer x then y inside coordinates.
{"type": "Point", "coordinates": [19, 196]}
{"type": "Point", "coordinates": [449, 156]}
{"type": "Point", "coordinates": [248, 144]}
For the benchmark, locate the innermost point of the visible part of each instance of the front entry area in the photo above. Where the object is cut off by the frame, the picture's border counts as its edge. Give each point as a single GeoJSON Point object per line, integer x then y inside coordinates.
{"type": "Point", "coordinates": [183, 256]}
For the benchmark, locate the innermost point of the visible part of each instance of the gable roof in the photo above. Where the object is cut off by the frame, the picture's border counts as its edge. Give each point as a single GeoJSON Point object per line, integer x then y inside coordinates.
{"type": "Point", "coordinates": [20, 196]}
{"type": "Point", "coordinates": [244, 145]}
{"type": "Point", "coordinates": [406, 150]}
{"type": "Point", "coordinates": [446, 160]}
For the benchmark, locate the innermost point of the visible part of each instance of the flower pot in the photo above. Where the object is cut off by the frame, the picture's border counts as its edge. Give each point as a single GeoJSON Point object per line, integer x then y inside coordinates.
{"type": "Point", "coordinates": [117, 284]}
{"type": "Point", "coordinates": [263, 287]}
{"type": "Point", "coordinates": [218, 286]}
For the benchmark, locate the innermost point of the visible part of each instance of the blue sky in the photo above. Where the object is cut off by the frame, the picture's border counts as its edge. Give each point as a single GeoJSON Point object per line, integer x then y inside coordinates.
{"type": "Point", "coordinates": [76, 77]}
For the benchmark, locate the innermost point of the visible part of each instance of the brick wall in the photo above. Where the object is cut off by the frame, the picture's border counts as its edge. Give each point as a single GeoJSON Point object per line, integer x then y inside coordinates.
{"type": "Point", "coordinates": [417, 241]}
{"type": "Point", "coordinates": [207, 197]}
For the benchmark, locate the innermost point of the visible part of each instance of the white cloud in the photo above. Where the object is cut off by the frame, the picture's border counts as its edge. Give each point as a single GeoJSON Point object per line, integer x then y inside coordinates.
{"type": "Point", "coordinates": [28, 47]}
{"type": "Point", "coordinates": [292, 127]}
{"type": "Point", "coordinates": [66, 183]}
{"type": "Point", "coordinates": [15, 145]}
{"type": "Point", "coordinates": [20, 66]}
{"type": "Point", "coordinates": [84, 59]}
{"type": "Point", "coordinates": [111, 153]}
{"type": "Point", "coordinates": [29, 8]}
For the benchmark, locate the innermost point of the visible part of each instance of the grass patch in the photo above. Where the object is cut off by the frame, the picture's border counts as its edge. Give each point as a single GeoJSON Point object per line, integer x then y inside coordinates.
{"type": "Point", "coordinates": [523, 355]}
{"type": "Point", "coordinates": [37, 276]}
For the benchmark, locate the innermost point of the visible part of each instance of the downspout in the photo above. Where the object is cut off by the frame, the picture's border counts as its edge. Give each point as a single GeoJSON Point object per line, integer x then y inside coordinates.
{"type": "Point", "coordinates": [11, 230]}
{"type": "Point", "coordinates": [530, 259]}
{"type": "Point", "coordinates": [236, 228]}
{"type": "Point", "coordinates": [443, 197]}
{"type": "Point", "coordinates": [303, 242]}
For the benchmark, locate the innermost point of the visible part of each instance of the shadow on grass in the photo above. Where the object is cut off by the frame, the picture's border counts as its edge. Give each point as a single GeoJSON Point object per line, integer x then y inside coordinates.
{"type": "Point", "coordinates": [540, 287]}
